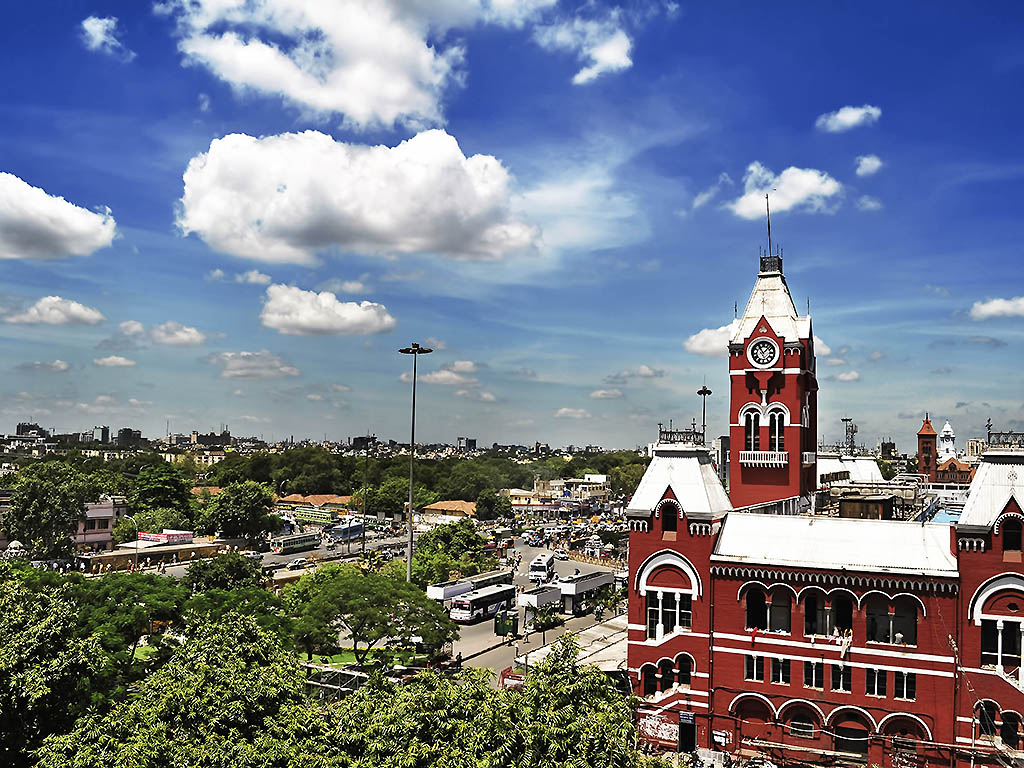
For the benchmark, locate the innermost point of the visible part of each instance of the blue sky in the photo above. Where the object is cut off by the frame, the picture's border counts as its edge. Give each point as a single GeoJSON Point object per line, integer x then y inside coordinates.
{"type": "Point", "coordinates": [228, 212]}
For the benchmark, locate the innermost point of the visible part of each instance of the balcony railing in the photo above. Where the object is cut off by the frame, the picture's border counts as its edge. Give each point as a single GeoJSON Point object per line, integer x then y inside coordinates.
{"type": "Point", "coordinates": [764, 458]}
{"type": "Point", "coordinates": [810, 457]}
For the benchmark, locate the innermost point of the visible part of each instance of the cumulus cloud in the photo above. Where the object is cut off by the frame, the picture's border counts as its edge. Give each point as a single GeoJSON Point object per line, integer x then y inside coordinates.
{"type": "Point", "coordinates": [798, 189]}
{"type": "Point", "coordinates": [606, 394]}
{"type": "Point", "coordinates": [712, 342]}
{"type": "Point", "coordinates": [53, 310]}
{"type": "Point", "coordinates": [462, 366]}
{"type": "Point", "coordinates": [709, 194]}
{"type": "Point", "coordinates": [377, 63]}
{"type": "Point", "coordinates": [868, 165]}
{"type": "Point", "coordinates": [177, 335]}
{"type": "Point", "coordinates": [252, 365]}
{"type": "Point", "coordinates": [937, 290]}
{"type": "Point", "coordinates": [57, 366]}
{"type": "Point", "coordinates": [253, 277]}
{"type": "Point", "coordinates": [435, 343]}
{"type": "Point", "coordinates": [983, 310]}
{"type": "Point", "coordinates": [847, 118]}
{"type": "Point", "coordinates": [214, 275]}
{"type": "Point", "coordinates": [284, 198]}
{"type": "Point", "coordinates": [344, 286]}
{"type": "Point", "coordinates": [100, 34]}
{"type": "Point", "coordinates": [833, 361]}
{"type": "Point", "coordinates": [868, 203]}
{"type": "Point", "coordinates": [641, 372]}
{"type": "Point", "coordinates": [36, 225]}
{"type": "Point", "coordinates": [443, 377]}
{"type": "Point", "coordinates": [846, 376]}
{"type": "Point", "coordinates": [294, 311]}
{"type": "Point", "coordinates": [821, 348]}
{"type": "Point", "coordinates": [113, 361]}
{"type": "Point", "coordinates": [602, 44]}
{"type": "Point", "coordinates": [477, 394]}
{"type": "Point", "coordinates": [572, 413]}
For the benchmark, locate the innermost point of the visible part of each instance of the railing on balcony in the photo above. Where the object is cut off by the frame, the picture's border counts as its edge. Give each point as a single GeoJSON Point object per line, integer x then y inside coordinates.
{"type": "Point", "coordinates": [809, 457]}
{"type": "Point", "coordinates": [764, 458]}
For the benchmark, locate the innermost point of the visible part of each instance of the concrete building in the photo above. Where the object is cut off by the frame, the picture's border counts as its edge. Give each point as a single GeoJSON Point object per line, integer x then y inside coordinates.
{"type": "Point", "coordinates": [95, 531]}
{"type": "Point", "coordinates": [947, 442]}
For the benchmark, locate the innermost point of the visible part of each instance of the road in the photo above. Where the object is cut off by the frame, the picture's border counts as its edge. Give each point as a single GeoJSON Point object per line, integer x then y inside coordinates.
{"type": "Point", "coordinates": [479, 638]}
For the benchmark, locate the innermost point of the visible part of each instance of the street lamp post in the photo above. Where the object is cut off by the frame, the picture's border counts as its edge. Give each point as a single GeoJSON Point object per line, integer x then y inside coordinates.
{"type": "Point", "coordinates": [415, 350]}
{"type": "Point", "coordinates": [136, 524]}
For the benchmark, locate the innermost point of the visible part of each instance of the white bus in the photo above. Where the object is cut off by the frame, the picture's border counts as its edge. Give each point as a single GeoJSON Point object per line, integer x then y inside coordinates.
{"type": "Point", "coordinates": [481, 603]}
{"type": "Point", "coordinates": [542, 567]}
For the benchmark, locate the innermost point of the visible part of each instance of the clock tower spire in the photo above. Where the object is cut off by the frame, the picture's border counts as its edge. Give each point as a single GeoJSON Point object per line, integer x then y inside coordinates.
{"type": "Point", "coordinates": [773, 398]}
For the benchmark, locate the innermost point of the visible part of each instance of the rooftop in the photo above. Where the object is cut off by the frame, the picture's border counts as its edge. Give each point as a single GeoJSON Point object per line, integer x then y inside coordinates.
{"type": "Point", "coordinates": [999, 478]}
{"type": "Point", "coordinates": [688, 470]}
{"type": "Point", "coordinates": [771, 299]}
{"type": "Point", "coordinates": [834, 543]}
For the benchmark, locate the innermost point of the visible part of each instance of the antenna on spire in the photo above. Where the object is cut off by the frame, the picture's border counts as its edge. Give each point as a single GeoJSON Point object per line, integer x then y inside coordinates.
{"type": "Point", "coordinates": [768, 214]}
{"type": "Point", "coordinates": [735, 310]}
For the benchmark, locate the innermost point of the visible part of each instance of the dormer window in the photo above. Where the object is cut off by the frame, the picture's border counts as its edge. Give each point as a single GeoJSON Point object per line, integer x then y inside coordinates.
{"type": "Point", "coordinates": [1011, 535]}
{"type": "Point", "coordinates": [669, 518]}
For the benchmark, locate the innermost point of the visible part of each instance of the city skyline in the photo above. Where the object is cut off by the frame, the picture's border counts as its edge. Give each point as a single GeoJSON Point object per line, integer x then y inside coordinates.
{"type": "Point", "coordinates": [565, 201]}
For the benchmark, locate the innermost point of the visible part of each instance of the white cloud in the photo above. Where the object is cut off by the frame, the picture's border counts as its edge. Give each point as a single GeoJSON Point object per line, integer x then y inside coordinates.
{"type": "Point", "coordinates": [378, 63]}
{"type": "Point", "coordinates": [606, 394]}
{"type": "Point", "coordinates": [641, 372]}
{"type": "Point", "coordinates": [709, 194]}
{"type": "Point", "coordinates": [36, 225]}
{"type": "Point", "coordinates": [462, 366]}
{"type": "Point", "coordinates": [204, 102]}
{"type": "Point", "coordinates": [53, 310]}
{"type": "Point", "coordinates": [100, 34]}
{"type": "Point", "coordinates": [252, 365]}
{"type": "Point", "coordinates": [57, 366]}
{"type": "Point", "coordinates": [983, 310]}
{"type": "Point", "coordinates": [937, 290]}
{"type": "Point", "coordinates": [292, 310]}
{"type": "Point", "coordinates": [799, 189]}
{"type": "Point", "coordinates": [284, 198]}
{"type": "Point", "coordinates": [253, 277]}
{"type": "Point", "coordinates": [315, 397]}
{"type": "Point", "coordinates": [847, 118]}
{"type": "Point", "coordinates": [712, 342]}
{"type": "Point", "coordinates": [821, 348]}
{"type": "Point", "coordinates": [113, 361]}
{"type": "Point", "coordinates": [477, 394]}
{"type": "Point", "coordinates": [214, 274]}
{"type": "Point", "coordinates": [868, 165]}
{"type": "Point", "coordinates": [132, 328]}
{"type": "Point", "coordinates": [444, 377]}
{"type": "Point", "coordinates": [435, 343]}
{"type": "Point", "coordinates": [177, 335]}
{"type": "Point", "coordinates": [341, 387]}
{"type": "Point", "coordinates": [868, 203]}
{"type": "Point", "coordinates": [835, 361]}
{"type": "Point", "coordinates": [344, 286]}
{"type": "Point", "coordinates": [602, 44]}
{"type": "Point", "coordinates": [848, 376]}
{"type": "Point", "coordinates": [572, 413]}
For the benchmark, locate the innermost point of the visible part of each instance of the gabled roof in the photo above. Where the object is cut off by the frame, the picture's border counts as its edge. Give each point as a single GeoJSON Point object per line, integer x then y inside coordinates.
{"type": "Point", "coordinates": [1000, 476]}
{"type": "Point", "coordinates": [926, 428]}
{"type": "Point", "coordinates": [689, 472]}
{"type": "Point", "coordinates": [836, 543]}
{"type": "Point", "coordinates": [772, 300]}
{"type": "Point", "coordinates": [862, 469]}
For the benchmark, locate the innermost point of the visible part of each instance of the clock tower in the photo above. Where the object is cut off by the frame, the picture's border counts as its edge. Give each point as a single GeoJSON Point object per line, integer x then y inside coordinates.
{"type": "Point", "coordinates": [773, 422]}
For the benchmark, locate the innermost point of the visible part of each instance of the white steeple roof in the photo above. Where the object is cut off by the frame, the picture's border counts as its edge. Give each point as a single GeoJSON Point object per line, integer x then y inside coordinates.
{"type": "Point", "coordinates": [999, 478]}
{"type": "Point", "coordinates": [771, 298]}
{"type": "Point", "coordinates": [686, 469]}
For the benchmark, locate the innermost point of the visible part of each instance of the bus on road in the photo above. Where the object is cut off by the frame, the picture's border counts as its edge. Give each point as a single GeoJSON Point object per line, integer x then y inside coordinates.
{"type": "Point", "coordinates": [542, 567]}
{"type": "Point", "coordinates": [298, 542]}
{"type": "Point", "coordinates": [348, 529]}
{"type": "Point", "coordinates": [481, 603]}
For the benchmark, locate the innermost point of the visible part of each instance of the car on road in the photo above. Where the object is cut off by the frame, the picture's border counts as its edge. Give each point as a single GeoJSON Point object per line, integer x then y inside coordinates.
{"type": "Point", "coordinates": [253, 555]}
{"type": "Point", "coordinates": [298, 563]}
{"type": "Point", "coordinates": [561, 554]}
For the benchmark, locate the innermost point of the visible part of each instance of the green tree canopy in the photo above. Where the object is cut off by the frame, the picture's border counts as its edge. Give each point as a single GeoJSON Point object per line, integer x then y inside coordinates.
{"type": "Point", "coordinates": [48, 501]}
{"type": "Point", "coordinates": [46, 669]}
{"type": "Point", "coordinates": [240, 510]}
{"type": "Point", "coordinates": [228, 570]}
{"type": "Point", "coordinates": [162, 486]}
{"type": "Point", "coordinates": [266, 608]}
{"type": "Point", "coordinates": [447, 548]}
{"type": "Point", "coordinates": [151, 520]}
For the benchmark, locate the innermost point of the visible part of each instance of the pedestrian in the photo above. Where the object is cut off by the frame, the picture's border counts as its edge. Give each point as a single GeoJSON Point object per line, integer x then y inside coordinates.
{"type": "Point", "coordinates": [515, 654]}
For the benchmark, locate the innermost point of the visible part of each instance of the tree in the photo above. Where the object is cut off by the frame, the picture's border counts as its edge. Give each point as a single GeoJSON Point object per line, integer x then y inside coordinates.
{"type": "Point", "coordinates": [48, 501]}
{"type": "Point", "coordinates": [152, 520]}
{"type": "Point", "coordinates": [266, 608]}
{"type": "Point", "coordinates": [162, 486]}
{"type": "Point", "coordinates": [240, 510]}
{"type": "Point", "coordinates": [624, 480]}
{"type": "Point", "coordinates": [486, 503]}
{"type": "Point", "coordinates": [544, 619]}
{"type": "Point", "coordinates": [228, 570]}
{"type": "Point", "coordinates": [46, 670]}
{"type": "Point", "coordinates": [371, 609]}
{"type": "Point", "coordinates": [887, 468]}
{"type": "Point", "coordinates": [447, 548]}
{"type": "Point", "coordinates": [205, 707]}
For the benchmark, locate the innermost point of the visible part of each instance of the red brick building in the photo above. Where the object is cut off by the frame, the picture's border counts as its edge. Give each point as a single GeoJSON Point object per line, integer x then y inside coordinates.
{"type": "Point", "coordinates": [811, 639]}
{"type": "Point", "coordinates": [927, 450]}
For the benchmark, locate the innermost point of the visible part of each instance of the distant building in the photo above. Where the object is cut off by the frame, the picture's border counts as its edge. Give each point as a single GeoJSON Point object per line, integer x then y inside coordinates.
{"type": "Point", "coordinates": [128, 437]}
{"type": "Point", "coordinates": [28, 429]}
{"type": "Point", "coordinates": [927, 450]}
{"type": "Point", "coordinates": [101, 434]}
{"type": "Point", "coordinates": [95, 532]}
{"type": "Point", "coordinates": [465, 443]}
{"type": "Point", "coordinates": [887, 449]}
{"type": "Point", "coordinates": [976, 446]}
{"type": "Point", "coordinates": [947, 442]}
{"type": "Point", "coordinates": [363, 442]}
{"type": "Point", "coordinates": [953, 470]}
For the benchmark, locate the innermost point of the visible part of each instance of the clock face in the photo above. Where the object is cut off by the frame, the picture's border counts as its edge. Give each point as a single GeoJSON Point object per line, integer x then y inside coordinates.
{"type": "Point", "coordinates": [762, 353]}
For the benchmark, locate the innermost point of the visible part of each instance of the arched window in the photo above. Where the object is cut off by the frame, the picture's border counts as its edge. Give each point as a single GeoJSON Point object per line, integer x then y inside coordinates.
{"type": "Point", "coordinates": [669, 518]}
{"type": "Point", "coordinates": [667, 675]}
{"type": "Point", "coordinates": [894, 622]}
{"type": "Point", "coordinates": [986, 713]}
{"type": "Point", "coordinates": [776, 431]}
{"type": "Point", "coordinates": [757, 610]}
{"type": "Point", "coordinates": [752, 432]}
{"type": "Point", "coordinates": [1011, 535]}
{"type": "Point", "coordinates": [649, 679]}
{"type": "Point", "coordinates": [684, 669]}
{"type": "Point", "coordinates": [779, 612]}
{"type": "Point", "coordinates": [801, 722]}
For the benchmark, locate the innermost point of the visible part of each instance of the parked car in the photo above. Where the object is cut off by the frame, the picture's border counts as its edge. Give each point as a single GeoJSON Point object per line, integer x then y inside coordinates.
{"type": "Point", "coordinates": [253, 555]}
{"type": "Point", "coordinates": [561, 554]}
{"type": "Point", "coordinates": [298, 563]}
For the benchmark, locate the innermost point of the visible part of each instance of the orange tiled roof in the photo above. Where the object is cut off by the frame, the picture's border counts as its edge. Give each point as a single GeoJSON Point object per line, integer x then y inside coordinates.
{"type": "Point", "coordinates": [927, 428]}
{"type": "Point", "coordinates": [448, 507]}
